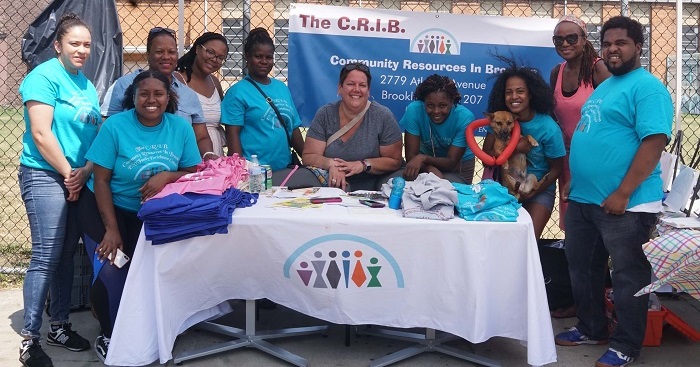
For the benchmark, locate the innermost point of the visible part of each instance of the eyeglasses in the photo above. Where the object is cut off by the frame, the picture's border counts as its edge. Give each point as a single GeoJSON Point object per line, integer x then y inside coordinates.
{"type": "Point", "coordinates": [157, 30]}
{"type": "Point", "coordinates": [569, 38]}
{"type": "Point", "coordinates": [210, 54]}
{"type": "Point", "coordinates": [356, 65]}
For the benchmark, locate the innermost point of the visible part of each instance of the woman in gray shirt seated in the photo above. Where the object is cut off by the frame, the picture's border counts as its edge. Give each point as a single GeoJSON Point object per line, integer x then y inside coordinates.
{"type": "Point", "coordinates": [354, 140]}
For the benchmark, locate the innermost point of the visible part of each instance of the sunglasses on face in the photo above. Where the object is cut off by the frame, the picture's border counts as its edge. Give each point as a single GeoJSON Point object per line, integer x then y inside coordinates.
{"type": "Point", "coordinates": [158, 30]}
{"type": "Point", "coordinates": [569, 38]}
{"type": "Point", "coordinates": [356, 65]}
{"type": "Point", "coordinates": [210, 54]}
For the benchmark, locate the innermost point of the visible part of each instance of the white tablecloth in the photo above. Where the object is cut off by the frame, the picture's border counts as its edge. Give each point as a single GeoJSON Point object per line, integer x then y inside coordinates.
{"type": "Point", "coordinates": [476, 280]}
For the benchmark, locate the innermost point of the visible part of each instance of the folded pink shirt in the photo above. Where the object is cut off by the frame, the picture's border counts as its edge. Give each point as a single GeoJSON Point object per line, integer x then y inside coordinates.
{"type": "Point", "coordinates": [212, 177]}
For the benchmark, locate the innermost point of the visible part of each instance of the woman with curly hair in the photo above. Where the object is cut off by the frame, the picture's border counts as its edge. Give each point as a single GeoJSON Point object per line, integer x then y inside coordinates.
{"type": "Point", "coordinates": [435, 141]}
{"type": "Point", "coordinates": [523, 92]}
{"type": "Point", "coordinates": [196, 69]}
{"type": "Point", "coordinates": [573, 82]}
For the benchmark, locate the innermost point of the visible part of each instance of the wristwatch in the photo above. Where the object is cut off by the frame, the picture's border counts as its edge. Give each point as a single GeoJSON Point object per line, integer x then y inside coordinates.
{"type": "Point", "coordinates": [366, 165]}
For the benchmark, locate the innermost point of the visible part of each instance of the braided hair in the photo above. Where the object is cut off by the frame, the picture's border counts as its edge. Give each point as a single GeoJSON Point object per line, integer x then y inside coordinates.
{"type": "Point", "coordinates": [437, 83]}
{"type": "Point", "coordinates": [257, 36]}
{"type": "Point", "coordinates": [128, 102]}
{"type": "Point", "coordinates": [184, 64]}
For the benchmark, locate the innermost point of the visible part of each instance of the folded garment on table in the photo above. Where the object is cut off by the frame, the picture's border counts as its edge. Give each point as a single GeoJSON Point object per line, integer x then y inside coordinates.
{"type": "Point", "coordinates": [429, 197]}
{"type": "Point", "coordinates": [212, 177]}
{"type": "Point", "coordinates": [486, 201]}
{"type": "Point", "coordinates": [180, 216]}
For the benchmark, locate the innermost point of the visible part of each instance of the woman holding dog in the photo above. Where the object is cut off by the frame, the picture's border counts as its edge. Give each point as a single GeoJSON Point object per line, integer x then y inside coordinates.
{"type": "Point", "coordinates": [524, 93]}
{"type": "Point", "coordinates": [573, 82]}
{"type": "Point", "coordinates": [435, 141]}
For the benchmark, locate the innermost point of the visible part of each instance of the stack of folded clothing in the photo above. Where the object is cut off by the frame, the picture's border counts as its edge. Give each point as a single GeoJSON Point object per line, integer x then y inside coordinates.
{"type": "Point", "coordinates": [429, 197]}
{"type": "Point", "coordinates": [180, 216]}
{"type": "Point", "coordinates": [486, 201]}
{"type": "Point", "coordinates": [212, 177]}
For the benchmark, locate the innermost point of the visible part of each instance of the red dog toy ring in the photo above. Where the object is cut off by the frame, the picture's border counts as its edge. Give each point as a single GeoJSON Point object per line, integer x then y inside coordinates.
{"type": "Point", "coordinates": [487, 159]}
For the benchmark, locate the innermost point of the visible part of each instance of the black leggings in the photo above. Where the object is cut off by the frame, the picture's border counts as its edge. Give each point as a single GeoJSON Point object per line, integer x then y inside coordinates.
{"type": "Point", "coordinates": [108, 283]}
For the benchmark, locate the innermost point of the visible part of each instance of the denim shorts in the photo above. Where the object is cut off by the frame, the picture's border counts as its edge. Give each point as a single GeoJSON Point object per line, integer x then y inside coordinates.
{"type": "Point", "coordinates": [545, 198]}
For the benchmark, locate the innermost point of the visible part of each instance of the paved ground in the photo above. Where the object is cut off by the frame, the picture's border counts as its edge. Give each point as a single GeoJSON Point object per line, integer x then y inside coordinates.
{"type": "Point", "coordinates": [675, 349]}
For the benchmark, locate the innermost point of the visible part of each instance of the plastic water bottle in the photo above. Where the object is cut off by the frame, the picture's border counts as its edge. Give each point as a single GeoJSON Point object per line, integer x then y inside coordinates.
{"type": "Point", "coordinates": [256, 181]}
{"type": "Point", "coordinates": [398, 183]}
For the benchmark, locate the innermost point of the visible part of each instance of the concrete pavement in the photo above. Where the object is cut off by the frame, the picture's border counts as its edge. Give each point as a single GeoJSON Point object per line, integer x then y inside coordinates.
{"type": "Point", "coordinates": [675, 349]}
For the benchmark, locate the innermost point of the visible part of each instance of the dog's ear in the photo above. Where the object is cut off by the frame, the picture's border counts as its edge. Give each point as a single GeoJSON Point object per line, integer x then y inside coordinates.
{"type": "Point", "coordinates": [489, 115]}
{"type": "Point", "coordinates": [515, 115]}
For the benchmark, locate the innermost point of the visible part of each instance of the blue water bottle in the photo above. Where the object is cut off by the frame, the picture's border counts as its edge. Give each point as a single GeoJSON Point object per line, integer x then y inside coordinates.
{"type": "Point", "coordinates": [398, 183]}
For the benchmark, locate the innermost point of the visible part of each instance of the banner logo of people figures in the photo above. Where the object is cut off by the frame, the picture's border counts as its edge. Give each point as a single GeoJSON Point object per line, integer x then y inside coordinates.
{"type": "Point", "coordinates": [435, 41]}
{"type": "Point", "coordinates": [343, 261]}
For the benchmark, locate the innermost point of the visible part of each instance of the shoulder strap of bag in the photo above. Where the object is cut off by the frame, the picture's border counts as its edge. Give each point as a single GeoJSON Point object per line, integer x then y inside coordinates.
{"type": "Point", "coordinates": [349, 126]}
{"type": "Point", "coordinates": [272, 104]}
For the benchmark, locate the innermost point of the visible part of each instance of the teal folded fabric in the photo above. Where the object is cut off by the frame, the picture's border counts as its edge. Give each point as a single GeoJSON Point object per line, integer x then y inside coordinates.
{"type": "Point", "coordinates": [486, 201]}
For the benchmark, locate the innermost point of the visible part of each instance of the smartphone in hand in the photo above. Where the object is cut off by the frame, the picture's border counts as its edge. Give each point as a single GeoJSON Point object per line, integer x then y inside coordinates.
{"type": "Point", "coordinates": [372, 203]}
{"type": "Point", "coordinates": [121, 258]}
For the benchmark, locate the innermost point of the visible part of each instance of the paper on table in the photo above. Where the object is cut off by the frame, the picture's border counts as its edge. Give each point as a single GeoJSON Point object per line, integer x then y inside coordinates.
{"type": "Point", "coordinates": [681, 189]}
{"type": "Point", "coordinates": [683, 222]}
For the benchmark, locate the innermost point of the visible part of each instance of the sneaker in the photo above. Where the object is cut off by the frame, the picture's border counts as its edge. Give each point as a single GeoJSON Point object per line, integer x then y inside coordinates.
{"type": "Point", "coordinates": [31, 354]}
{"type": "Point", "coordinates": [101, 347]}
{"type": "Point", "coordinates": [574, 337]}
{"type": "Point", "coordinates": [613, 358]}
{"type": "Point", "coordinates": [64, 336]}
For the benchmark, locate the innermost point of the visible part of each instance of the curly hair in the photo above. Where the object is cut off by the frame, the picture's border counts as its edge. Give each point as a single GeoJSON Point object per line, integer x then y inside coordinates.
{"type": "Point", "coordinates": [67, 22]}
{"type": "Point", "coordinates": [257, 36]}
{"type": "Point", "coordinates": [437, 83]}
{"type": "Point", "coordinates": [184, 64]}
{"type": "Point", "coordinates": [130, 93]}
{"type": "Point", "coordinates": [541, 94]}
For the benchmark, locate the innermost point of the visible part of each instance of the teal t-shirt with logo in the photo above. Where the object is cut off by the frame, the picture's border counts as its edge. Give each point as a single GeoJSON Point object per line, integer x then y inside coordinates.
{"type": "Point", "coordinates": [621, 112]}
{"type": "Point", "coordinates": [76, 113]}
{"type": "Point", "coordinates": [438, 137]}
{"type": "Point", "coordinates": [135, 153]}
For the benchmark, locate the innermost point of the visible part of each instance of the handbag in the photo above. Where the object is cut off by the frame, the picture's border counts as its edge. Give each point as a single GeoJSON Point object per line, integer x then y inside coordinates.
{"type": "Point", "coordinates": [296, 161]}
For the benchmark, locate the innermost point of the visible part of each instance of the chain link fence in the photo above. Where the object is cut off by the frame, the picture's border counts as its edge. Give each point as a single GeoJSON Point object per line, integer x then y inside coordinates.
{"type": "Point", "coordinates": [235, 18]}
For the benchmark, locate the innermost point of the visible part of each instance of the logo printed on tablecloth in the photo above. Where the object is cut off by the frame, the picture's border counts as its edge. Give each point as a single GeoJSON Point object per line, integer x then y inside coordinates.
{"type": "Point", "coordinates": [343, 261]}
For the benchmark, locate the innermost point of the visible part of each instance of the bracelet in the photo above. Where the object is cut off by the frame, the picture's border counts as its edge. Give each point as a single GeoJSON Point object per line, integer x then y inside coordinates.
{"type": "Point", "coordinates": [207, 153]}
{"type": "Point", "coordinates": [364, 166]}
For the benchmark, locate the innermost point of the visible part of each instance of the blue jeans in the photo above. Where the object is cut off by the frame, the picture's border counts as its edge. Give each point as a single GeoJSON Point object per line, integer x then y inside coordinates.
{"type": "Point", "coordinates": [591, 235]}
{"type": "Point", "coordinates": [54, 238]}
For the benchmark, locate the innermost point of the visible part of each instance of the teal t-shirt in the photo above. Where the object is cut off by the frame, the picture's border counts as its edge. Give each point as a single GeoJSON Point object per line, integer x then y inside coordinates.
{"type": "Point", "coordinates": [550, 142]}
{"type": "Point", "coordinates": [438, 136]}
{"type": "Point", "coordinates": [135, 153]}
{"type": "Point", "coordinates": [76, 114]}
{"type": "Point", "coordinates": [621, 112]}
{"type": "Point", "coordinates": [549, 139]}
{"type": "Point", "coordinates": [261, 132]}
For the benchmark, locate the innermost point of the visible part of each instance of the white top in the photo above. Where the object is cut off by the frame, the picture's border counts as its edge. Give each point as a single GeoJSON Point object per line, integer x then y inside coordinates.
{"type": "Point", "coordinates": [211, 106]}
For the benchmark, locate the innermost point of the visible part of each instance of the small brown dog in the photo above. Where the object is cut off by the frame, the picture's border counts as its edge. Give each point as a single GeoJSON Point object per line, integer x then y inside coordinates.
{"type": "Point", "coordinates": [514, 174]}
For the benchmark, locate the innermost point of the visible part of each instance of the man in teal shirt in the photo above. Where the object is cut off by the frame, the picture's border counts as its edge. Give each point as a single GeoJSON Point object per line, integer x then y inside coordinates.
{"type": "Point", "coordinates": [615, 194]}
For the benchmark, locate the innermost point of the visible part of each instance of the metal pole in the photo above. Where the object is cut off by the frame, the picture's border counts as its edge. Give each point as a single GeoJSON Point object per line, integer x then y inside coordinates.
{"type": "Point", "coordinates": [206, 15]}
{"type": "Point", "coordinates": [679, 64]}
{"type": "Point", "coordinates": [181, 27]}
{"type": "Point", "coordinates": [625, 8]}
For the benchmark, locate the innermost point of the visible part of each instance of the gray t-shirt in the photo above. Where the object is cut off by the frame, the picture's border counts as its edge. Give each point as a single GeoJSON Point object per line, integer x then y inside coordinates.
{"type": "Point", "coordinates": [378, 128]}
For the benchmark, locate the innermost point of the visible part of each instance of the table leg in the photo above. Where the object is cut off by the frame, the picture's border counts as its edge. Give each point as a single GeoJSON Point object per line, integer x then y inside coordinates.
{"type": "Point", "coordinates": [250, 338]}
{"type": "Point", "coordinates": [426, 343]}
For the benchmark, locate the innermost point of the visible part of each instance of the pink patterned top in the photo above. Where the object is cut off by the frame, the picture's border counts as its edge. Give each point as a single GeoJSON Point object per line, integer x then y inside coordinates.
{"type": "Point", "coordinates": [568, 109]}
